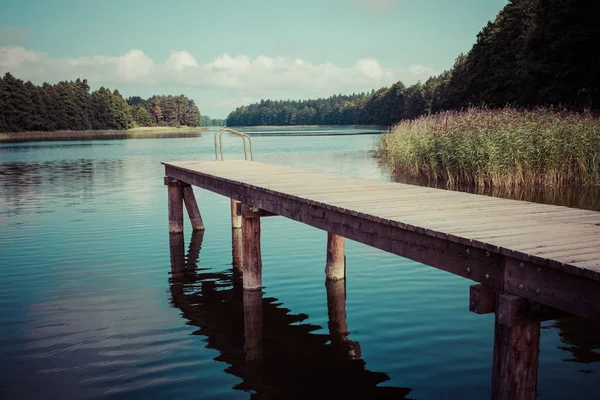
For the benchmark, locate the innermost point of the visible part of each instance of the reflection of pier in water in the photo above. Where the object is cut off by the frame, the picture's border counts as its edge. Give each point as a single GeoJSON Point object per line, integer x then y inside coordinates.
{"type": "Point", "coordinates": [265, 345]}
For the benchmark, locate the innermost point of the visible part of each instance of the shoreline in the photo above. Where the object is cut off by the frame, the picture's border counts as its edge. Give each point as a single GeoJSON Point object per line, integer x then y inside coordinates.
{"type": "Point", "coordinates": [376, 127]}
{"type": "Point", "coordinates": [149, 132]}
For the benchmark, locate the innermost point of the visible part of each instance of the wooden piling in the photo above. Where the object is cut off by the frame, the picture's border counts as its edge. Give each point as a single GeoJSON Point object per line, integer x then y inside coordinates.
{"type": "Point", "coordinates": [252, 262]}
{"type": "Point", "coordinates": [236, 215]}
{"type": "Point", "coordinates": [192, 208]}
{"type": "Point", "coordinates": [335, 268]}
{"type": "Point", "coordinates": [516, 351]}
{"type": "Point", "coordinates": [237, 250]}
{"type": "Point", "coordinates": [175, 207]}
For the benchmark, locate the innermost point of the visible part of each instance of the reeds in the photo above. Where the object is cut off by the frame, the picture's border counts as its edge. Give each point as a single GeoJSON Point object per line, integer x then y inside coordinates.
{"type": "Point", "coordinates": [505, 147]}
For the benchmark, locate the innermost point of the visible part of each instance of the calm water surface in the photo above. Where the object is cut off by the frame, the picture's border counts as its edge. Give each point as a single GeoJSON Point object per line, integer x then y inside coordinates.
{"type": "Point", "coordinates": [89, 307]}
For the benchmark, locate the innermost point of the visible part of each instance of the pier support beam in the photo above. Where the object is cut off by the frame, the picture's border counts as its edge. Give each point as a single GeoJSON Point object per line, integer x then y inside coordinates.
{"type": "Point", "coordinates": [175, 190]}
{"type": "Point", "coordinates": [516, 351]}
{"type": "Point", "coordinates": [251, 248]}
{"type": "Point", "coordinates": [237, 250]}
{"type": "Point", "coordinates": [336, 264]}
{"type": "Point", "coordinates": [236, 214]}
{"type": "Point", "coordinates": [192, 208]}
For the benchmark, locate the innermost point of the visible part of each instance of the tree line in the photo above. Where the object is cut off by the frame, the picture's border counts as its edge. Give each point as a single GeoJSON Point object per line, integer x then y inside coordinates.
{"type": "Point", "coordinates": [535, 53]}
{"type": "Point", "coordinates": [71, 106]}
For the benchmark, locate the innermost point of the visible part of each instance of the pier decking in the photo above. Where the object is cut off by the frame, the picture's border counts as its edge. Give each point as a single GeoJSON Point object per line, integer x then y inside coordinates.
{"type": "Point", "coordinates": [532, 261]}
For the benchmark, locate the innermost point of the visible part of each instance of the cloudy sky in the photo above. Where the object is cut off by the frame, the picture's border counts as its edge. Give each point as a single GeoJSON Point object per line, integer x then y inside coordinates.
{"type": "Point", "coordinates": [225, 53]}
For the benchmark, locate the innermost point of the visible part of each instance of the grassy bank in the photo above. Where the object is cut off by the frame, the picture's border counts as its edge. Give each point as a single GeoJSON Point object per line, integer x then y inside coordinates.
{"type": "Point", "coordinates": [135, 133]}
{"type": "Point", "coordinates": [496, 148]}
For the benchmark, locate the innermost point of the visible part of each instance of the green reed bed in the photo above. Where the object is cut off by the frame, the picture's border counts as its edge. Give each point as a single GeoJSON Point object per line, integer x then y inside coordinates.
{"type": "Point", "coordinates": [504, 147]}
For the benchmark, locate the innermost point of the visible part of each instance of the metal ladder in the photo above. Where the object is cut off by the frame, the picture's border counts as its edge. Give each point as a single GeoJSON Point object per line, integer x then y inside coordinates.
{"type": "Point", "coordinates": [220, 132]}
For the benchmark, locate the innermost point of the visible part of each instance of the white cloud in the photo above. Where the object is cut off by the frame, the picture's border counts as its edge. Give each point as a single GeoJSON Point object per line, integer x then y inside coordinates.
{"type": "Point", "coordinates": [226, 71]}
{"type": "Point", "coordinates": [231, 80]}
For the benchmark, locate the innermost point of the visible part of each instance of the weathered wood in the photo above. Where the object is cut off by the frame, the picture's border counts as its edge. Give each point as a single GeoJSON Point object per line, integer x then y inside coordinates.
{"type": "Point", "coordinates": [428, 225]}
{"type": "Point", "coordinates": [253, 321]}
{"type": "Point", "coordinates": [237, 254]}
{"type": "Point", "coordinates": [335, 268]}
{"type": "Point", "coordinates": [482, 299]}
{"type": "Point", "coordinates": [552, 287]}
{"type": "Point", "coordinates": [516, 348]}
{"type": "Point", "coordinates": [192, 208]}
{"type": "Point", "coordinates": [175, 191]}
{"type": "Point", "coordinates": [252, 261]}
{"type": "Point", "coordinates": [236, 214]}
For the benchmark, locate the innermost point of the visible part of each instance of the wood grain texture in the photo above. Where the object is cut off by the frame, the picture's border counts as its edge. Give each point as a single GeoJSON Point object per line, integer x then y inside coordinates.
{"type": "Point", "coordinates": [516, 354]}
{"type": "Point", "coordinates": [335, 268]}
{"type": "Point", "coordinates": [482, 299]}
{"type": "Point", "coordinates": [252, 269]}
{"type": "Point", "coordinates": [175, 191]}
{"type": "Point", "coordinates": [473, 236]}
{"type": "Point", "coordinates": [192, 208]}
{"type": "Point", "coordinates": [236, 214]}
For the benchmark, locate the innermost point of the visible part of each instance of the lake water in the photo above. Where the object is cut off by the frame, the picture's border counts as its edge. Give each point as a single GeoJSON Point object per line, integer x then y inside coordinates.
{"type": "Point", "coordinates": [89, 307]}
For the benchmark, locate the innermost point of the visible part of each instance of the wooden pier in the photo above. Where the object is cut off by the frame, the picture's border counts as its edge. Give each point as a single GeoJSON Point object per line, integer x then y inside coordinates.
{"type": "Point", "coordinates": [532, 262]}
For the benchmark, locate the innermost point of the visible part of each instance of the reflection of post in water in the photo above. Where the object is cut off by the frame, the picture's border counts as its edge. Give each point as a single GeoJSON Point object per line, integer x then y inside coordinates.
{"type": "Point", "coordinates": [338, 327]}
{"type": "Point", "coordinates": [177, 252]}
{"type": "Point", "coordinates": [274, 353]}
{"type": "Point", "coordinates": [253, 321]}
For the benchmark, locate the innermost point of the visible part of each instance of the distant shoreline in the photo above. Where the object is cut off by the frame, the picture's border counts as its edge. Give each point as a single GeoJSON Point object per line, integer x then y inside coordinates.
{"type": "Point", "coordinates": [146, 132]}
{"type": "Point", "coordinates": [378, 127]}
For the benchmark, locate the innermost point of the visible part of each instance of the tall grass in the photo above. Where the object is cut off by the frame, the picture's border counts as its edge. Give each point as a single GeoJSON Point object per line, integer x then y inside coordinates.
{"type": "Point", "coordinates": [505, 147]}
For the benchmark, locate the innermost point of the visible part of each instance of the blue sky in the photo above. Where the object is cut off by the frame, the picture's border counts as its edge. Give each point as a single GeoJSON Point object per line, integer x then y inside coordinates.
{"type": "Point", "coordinates": [225, 53]}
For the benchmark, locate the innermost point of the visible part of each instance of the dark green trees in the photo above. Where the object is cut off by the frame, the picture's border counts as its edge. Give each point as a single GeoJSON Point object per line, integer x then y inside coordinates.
{"type": "Point", "coordinates": [70, 106]}
{"type": "Point", "coordinates": [535, 53]}
{"type": "Point", "coordinates": [164, 111]}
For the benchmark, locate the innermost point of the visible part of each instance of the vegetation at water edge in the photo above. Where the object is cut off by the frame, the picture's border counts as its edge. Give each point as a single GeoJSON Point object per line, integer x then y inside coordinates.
{"type": "Point", "coordinates": [503, 147]}
{"type": "Point", "coordinates": [25, 107]}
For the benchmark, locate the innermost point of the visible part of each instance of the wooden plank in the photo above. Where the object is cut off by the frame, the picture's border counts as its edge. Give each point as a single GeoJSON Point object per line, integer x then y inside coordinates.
{"type": "Point", "coordinates": [477, 264]}
{"type": "Point", "coordinates": [429, 236]}
{"type": "Point", "coordinates": [552, 287]}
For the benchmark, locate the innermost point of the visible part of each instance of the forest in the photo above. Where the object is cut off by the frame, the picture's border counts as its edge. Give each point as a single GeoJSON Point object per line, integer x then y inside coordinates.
{"type": "Point", "coordinates": [535, 53]}
{"type": "Point", "coordinates": [71, 106]}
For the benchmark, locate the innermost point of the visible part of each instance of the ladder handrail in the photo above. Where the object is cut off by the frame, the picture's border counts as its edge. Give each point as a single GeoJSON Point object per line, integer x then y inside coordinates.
{"type": "Point", "coordinates": [221, 131]}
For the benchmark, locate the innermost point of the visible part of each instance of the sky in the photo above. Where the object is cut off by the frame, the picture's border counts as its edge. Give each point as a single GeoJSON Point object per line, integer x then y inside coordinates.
{"type": "Point", "coordinates": [227, 53]}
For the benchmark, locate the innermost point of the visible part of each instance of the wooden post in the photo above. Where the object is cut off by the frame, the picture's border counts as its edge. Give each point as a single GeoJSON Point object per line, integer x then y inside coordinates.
{"type": "Point", "coordinates": [335, 268]}
{"type": "Point", "coordinates": [251, 248]}
{"type": "Point", "coordinates": [236, 215]}
{"type": "Point", "coordinates": [516, 351]}
{"type": "Point", "coordinates": [192, 208]}
{"type": "Point", "coordinates": [175, 206]}
{"type": "Point", "coordinates": [253, 317]}
{"type": "Point", "coordinates": [236, 249]}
